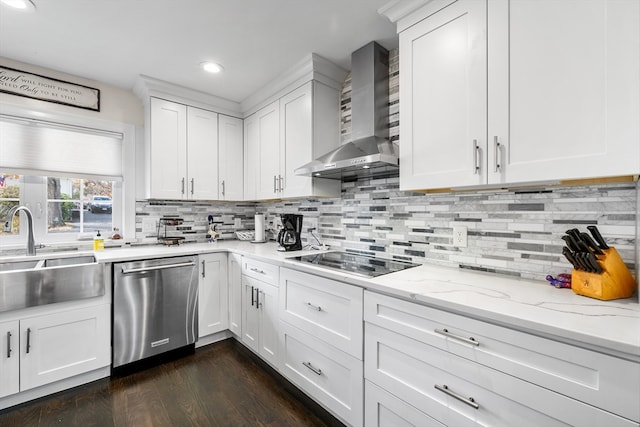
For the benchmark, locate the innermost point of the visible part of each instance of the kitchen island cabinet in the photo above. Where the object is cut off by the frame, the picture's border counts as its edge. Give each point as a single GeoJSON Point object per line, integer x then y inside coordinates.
{"type": "Point", "coordinates": [510, 92]}
{"type": "Point", "coordinates": [213, 302]}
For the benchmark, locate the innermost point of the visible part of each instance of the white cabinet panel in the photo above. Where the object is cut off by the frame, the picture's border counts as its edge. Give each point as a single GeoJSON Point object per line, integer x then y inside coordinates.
{"type": "Point", "coordinates": [60, 345]}
{"type": "Point", "coordinates": [563, 88]}
{"type": "Point", "coordinates": [9, 358]}
{"type": "Point", "coordinates": [328, 375]}
{"type": "Point", "coordinates": [443, 98]}
{"type": "Point", "coordinates": [260, 320]}
{"type": "Point", "coordinates": [235, 293]}
{"type": "Point", "coordinates": [231, 164]}
{"type": "Point", "coordinates": [268, 167]}
{"type": "Point", "coordinates": [213, 300]}
{"type": "Point", "coordinates": [202, 154]}
{"type": "Point", "coordinates": [383, 409]}
{"type": "Point", "coordinates": [326, 309]}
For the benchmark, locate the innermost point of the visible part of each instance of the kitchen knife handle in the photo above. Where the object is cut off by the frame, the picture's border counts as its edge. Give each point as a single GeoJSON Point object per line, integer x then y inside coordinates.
{"type": "Point", "coordinates": [596, 235]}
{"type": "Point", "coordinates": [591, 244]}
{"type": "Point", "coordinates": [571, 243]}
{"type": "Point", "coordinates": [476, 157]}
{"type": "Point", "coordinates": [593, 262]}
{"type": "Point", "coordinates": [569, 256]}
{"type": "Point", "coordinates": [497, 148]}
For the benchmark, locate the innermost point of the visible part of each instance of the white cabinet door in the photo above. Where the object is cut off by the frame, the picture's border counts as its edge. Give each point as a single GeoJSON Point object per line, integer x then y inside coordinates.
{"type": "Point", "coordinates": [297, 139]}
{"type": "Point", "coordinates": [235, 293]}
{"type": "Point", "coordinates": [563, 89]}
{"type": "Point", "coordinates": [382, 409]}
{"type": "Point", "coordinates": [168, 150]}
{"type": "Point", "coordinates": [231, 170]}
{"type": "Point", "coordinates": [202, 154]}
{"type": "Point", "coordinates": [268, 176]}
{"type": "Point", "coordinates": [9, 358]}
{"type": "Point", "coordinates": [251, 157]}
{"type": "Point", "coordinates": [64, 344]}
{"type": "Point", "coordinates": [443, 98]}
{"type": "Point", "coordinates": [267, 302]}
{"type": "Point", "coordinates": [250, 314]}
{"type": "Point", "coordinates": [213, 294]}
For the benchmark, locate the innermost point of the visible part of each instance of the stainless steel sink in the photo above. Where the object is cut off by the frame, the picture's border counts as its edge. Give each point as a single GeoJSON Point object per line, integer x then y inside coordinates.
{"type": "Point", "coordinates": [50, 279]}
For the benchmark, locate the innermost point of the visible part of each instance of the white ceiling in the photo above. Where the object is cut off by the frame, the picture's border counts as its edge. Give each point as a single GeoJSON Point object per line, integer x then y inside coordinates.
{"type": "Point", "coordinates": [114, 41]}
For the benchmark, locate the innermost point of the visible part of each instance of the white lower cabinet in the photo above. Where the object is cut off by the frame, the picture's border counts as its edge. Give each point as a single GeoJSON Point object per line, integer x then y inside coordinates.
{"type": "Point", "coordinates": [383, 409]}
{"type": "Point", "coordinates": [213, 300]}
{"type": "Point", "coordinates": [464, 372]}
{"type": "Point", "coordinates": [9, 358]}
{"type": "Point", "coordinates": [43, 349]}
{"type": "Point", "coordinates": [260, 318]}
{"type": "Point", "coordinates": [330, 376]}
{"type": "Point", "coordinates": [235, 293]}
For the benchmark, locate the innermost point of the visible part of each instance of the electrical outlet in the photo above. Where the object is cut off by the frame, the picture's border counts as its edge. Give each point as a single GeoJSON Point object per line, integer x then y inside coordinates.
{"type": "Point", "coordinates": [237, 222]}
{"type": "Point", "coordinates": [460, 236]}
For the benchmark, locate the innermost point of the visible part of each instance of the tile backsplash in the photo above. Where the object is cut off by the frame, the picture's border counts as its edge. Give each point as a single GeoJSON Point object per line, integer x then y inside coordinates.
{"type": "Point", "coordinates": [511, 232]}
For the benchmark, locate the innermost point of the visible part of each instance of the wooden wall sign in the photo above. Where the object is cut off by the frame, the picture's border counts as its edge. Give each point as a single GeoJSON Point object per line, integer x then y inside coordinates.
{"type": "Point", "coordinates": [48, 89]}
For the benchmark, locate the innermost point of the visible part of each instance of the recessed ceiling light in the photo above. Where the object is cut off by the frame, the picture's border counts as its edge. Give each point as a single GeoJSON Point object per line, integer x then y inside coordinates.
{"type": "Point", "coordinates": [24, 5]}
{"type": "Point", "coordinates": [212, 67]}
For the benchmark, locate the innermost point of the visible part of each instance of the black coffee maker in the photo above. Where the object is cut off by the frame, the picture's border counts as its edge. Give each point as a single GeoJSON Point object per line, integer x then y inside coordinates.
{"type": "Point", "coordinates": [289, 235]}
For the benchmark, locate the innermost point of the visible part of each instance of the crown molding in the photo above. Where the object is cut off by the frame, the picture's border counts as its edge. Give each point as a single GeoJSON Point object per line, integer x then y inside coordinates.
{"type": "Point", "coordinates": [405, 13]}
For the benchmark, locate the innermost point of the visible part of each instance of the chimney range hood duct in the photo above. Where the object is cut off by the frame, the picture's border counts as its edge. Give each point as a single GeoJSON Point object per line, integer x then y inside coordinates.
{"type": "Point", "coordinates": [370, 153]}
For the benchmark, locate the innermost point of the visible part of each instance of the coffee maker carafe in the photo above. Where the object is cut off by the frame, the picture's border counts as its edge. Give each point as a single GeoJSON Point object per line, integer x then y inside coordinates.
{"type": "Point", "coordinates": [289, 235]}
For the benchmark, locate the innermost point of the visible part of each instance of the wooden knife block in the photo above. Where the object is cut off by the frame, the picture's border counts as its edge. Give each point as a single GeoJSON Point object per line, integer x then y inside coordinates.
{"type": "Point", "coordinates": [614, 282]}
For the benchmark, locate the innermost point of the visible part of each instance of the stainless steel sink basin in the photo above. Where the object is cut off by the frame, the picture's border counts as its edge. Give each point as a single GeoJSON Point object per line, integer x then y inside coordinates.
{"type": "Point", "coordinates": [50, 279]}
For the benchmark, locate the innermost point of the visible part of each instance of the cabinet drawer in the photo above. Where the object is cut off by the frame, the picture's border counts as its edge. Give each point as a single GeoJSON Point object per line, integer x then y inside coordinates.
{"type": "Point", "coordinates": [460, 392]}
{"type": "Point", "coordinates": [326, 309]}
{"type": "Point", "coordinates": [331, 377]}
{"type": "Point", "coordinates": [382, 409]}
{"type": "Point", "coordinates": [601, 380]}
{"type": "Point", "coordinates": [260, 270]}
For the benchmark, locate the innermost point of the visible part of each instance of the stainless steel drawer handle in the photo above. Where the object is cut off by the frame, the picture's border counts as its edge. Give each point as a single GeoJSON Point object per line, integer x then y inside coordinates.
{"type": "Point", "coordinates": [315, 307]}
{"type": "Point", "coordinates": [8, 345]}
{"type": "Point", "coordinates": [469, 401]}
{"type": "Point", "coordinates": [203, 269]}
{"type": "Point", "coordinates": [476, 157]}
{"type": "Point", "coordinates": [446, 333]}
{"type": "Point", "coordinates": [257, 270]}
{"type": "Point", "coordinates": [312, 368]}
{"type": "Point", "coordinates": [156, 267]}
{"type": "Point", "coordinates": [496, 153]}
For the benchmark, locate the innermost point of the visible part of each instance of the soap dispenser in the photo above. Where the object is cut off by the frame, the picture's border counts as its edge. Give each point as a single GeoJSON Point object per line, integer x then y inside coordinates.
{"type": "Point", "coordinates": [98, 242]}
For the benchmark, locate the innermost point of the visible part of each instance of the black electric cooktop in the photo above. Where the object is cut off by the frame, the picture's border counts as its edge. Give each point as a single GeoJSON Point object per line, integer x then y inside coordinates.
{"type": "Point", "coordinates": [355, 264]}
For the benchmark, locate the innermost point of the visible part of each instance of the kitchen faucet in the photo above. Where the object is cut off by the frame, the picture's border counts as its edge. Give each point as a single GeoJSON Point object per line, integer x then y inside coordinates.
{"type": "Point", "coordinates": [8, 226]}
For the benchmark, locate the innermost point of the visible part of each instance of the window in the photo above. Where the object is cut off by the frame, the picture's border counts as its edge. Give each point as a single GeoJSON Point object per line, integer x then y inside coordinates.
{"type": "Point", "coordinates": [9, 197]}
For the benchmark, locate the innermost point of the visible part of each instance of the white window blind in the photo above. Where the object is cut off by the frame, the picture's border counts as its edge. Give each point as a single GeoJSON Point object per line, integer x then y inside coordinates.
{"type": "Point", "coordinates": [35, 147]}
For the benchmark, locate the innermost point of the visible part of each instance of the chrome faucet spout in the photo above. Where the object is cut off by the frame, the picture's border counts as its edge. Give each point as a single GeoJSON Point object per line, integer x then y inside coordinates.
{"type": "Point", "coordinates": [8, 226]}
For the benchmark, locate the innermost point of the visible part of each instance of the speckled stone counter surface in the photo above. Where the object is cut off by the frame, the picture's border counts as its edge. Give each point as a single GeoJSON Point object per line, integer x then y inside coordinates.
{"type": "Point", "coordinates": [612, 327]}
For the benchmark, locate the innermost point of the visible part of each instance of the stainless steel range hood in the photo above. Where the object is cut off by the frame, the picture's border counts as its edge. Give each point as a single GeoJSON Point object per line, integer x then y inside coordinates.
{"type": "Point", "coordinates": [370, 153]}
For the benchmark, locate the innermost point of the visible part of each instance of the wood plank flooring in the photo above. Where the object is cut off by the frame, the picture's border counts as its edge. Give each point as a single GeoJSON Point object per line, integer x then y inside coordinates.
{"type": "Point", "coordinates": [222, 384]}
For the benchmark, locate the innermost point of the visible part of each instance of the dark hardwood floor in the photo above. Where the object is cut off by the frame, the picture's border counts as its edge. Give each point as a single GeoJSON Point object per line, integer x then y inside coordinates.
{"type": "Point", "coordinates": [218, 385]}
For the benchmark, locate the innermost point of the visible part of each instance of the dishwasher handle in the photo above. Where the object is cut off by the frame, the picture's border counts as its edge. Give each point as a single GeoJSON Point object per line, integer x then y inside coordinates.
{"type": "Point", "coordinates": [157, 267]}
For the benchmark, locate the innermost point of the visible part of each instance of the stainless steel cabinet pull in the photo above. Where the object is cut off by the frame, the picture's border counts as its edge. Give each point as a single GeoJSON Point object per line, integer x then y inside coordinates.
{"type": "Point", "coordinates": [275, 180]}
{"type": "Point", "coordinates": [469, 401]}
{"type": "Point", "coordinates": [203, 264]}
{"type": "Point", "coordinates": [446, 333]}
{"type": "Point", "coordinates": [223, 189]}
{"type": "Point", "coordinates": [192, 185]}
{"type": "Point", "coordinates": [280, 180]}
{"type": "Point", "coordinates": [315, 307]}
{"type": "Point", "coordinates": [182, 191]}
{"type": "Point", "coordinates": [257, 270]}
{"type": "Point", "coordinates": [28, 340]}
{"type": "Point", "coordinates": [253, 301]}
{"type": "Point", "coordinates": [8, 345]}
{"type": "Point", "coordinates": [476, 157]}
{"type": "Point", "coordinates": [497, 148]}
{"type": "Point", "coordinates": [258, 303]}
{"type": "Point", "coordinates": [157, 267]}
{"type": "Point", "coordinates": [313, 368]}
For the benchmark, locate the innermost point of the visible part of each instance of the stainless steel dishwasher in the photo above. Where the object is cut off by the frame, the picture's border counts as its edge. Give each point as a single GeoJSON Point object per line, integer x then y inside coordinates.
{"type": "Point", "coordinates": [154, 307]}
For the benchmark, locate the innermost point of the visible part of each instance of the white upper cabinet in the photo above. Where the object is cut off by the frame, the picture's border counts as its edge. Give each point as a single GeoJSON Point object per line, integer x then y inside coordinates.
{"type": "Point", "coordinates": [286, 134]}
{"type": "Point", "coordinates": [443, 108]}
{"type": "Point", "coordinates": [183, 152]}
{"type": "Point", "coordinates": [563, 89]}
{"type": "Point", "coordinates": [519, 91]}
{"type": "Point", "coordinates": [230, 162]}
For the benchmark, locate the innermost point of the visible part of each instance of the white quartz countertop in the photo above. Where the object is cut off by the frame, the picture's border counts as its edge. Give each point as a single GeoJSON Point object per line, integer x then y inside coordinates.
{"type": "Point", "coordinates": [533, 306]}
